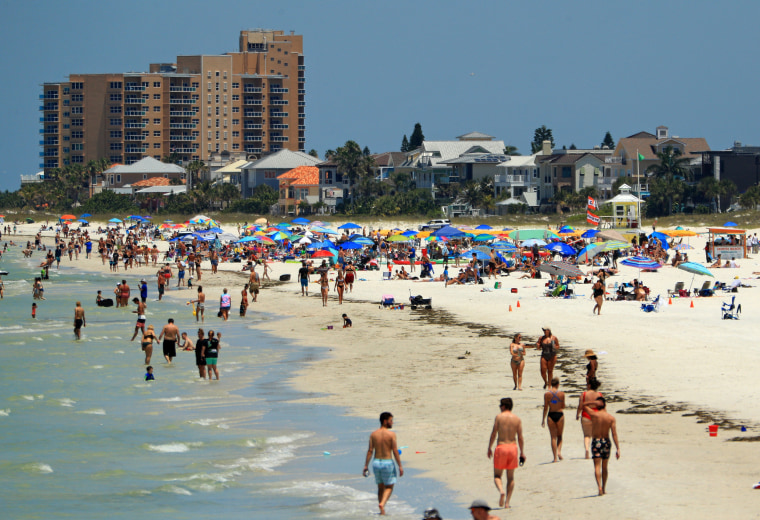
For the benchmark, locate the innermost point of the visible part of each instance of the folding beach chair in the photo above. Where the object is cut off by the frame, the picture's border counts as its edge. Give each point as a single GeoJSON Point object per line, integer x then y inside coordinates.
{"type": "Point", "coordinates": [731, 311]}
{"type": "Point", "coordinates": [655, 306]}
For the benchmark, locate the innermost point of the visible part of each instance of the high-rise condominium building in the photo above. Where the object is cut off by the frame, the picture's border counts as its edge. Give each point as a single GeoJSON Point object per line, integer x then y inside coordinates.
{"type": "Point", "coordinates": [249, 101]}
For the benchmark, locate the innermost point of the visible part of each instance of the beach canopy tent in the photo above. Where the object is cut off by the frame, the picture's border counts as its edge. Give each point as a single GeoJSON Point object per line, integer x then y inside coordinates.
{"type": "Point", "coordinates": [729, 243]}
{"type": "Point", "coordinates": [532, 234]}
{"type": "Point", "coordinates": [448, 232]}
{"type": "Point", "coordinates": [350, 225]}
{"type": "Point", "coordinates": [610, 234]}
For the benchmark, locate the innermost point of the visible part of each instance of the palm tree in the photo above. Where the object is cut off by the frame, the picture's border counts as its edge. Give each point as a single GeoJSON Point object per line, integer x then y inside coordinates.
{"type": "Point", "coordinates": [227, 192]}
{"type": "Point", "coordinates": [511, 150]}
{"type": "Point", "coordinates": [727, 188]}
{"type": "Point", "coordinates": [352, 163]}
{"type": "Point", "coordinates": [195, 170]}
{"type": "Point", "coordinates": [710, 189]}
{"type": "Point", "coordinates": [672, 164]}
{"type": "Point", "coordinates": [671, 171]}
{"type": "Point", "coordinates": [750, 198]}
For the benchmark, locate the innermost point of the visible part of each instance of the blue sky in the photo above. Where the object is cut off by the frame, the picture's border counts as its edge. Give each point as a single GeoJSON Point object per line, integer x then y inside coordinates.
{"type": "Point", "coordinates": [374, 69]}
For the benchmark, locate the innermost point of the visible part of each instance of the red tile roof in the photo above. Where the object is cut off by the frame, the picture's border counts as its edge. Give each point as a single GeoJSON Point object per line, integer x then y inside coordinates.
{"type": "Point", "coordinates": [302, 176]}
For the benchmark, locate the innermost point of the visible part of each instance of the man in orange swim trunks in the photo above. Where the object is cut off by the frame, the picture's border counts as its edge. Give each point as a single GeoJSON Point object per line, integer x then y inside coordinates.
{"type": "Point", "coordinates": [507, 432]}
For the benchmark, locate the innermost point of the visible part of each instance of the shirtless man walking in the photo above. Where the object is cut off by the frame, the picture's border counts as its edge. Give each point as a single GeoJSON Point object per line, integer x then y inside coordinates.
{"type": "Point", "coordinates": [602, 422]}
{"type": "Point", "coordinates": [200, 304]}
{"type": "Point", "coordinates": [79, 320]}
{"type": "Point", "coordinates": [170, 335]}
{"type": "Point", "coordinates": [382, 443]}
{"type": "Point", "coordinates": [140, 324]}
{"type": "Point", "coordinates": [506, 428]}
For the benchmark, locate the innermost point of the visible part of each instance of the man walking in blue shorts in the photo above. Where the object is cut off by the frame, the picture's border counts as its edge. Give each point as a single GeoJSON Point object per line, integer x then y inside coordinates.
{"type": "Point", "coordinates": [382, 444]}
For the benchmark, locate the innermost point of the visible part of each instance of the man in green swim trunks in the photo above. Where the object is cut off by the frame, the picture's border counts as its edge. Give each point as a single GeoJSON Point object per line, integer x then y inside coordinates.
{"type": "Point", "coordinates": [382, 444]}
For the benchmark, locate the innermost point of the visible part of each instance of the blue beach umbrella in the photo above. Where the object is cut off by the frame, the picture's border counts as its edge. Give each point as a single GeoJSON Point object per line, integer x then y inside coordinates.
{"type": "Point", "coordinates": [115, 221]}
{"type": "Point", "coordinates": [485, 237]}
{"type": "Point", "coordinates": [363, 241]}
{"type": "Point", "coordinates": [730, 224]}
{"type": "Point", "coordinates": [409, 233]}
{"type": "Point", "coordinates": [561, 248]}
{"type": "Point", "coordinates": [85, 215]}
{"type": "Point", "coordinates": [300, 221]}
{"type": "Point", "coordinates": [484, 226]}
{"type": "Point", "coordinates": [480, 255]}
{"type": "Point", "coordinates": [589, 233]}
{"type": "Point", "coordinates": [567, 229]}
{"type": "Point", "coordinates": [351, 245]}
{"type": "Point", "coordinates": [83, 221]}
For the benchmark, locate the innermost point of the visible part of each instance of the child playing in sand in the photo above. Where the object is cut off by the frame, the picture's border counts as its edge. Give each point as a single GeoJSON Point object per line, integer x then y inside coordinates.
{"type": "Point", "coordinates": [347, 323]}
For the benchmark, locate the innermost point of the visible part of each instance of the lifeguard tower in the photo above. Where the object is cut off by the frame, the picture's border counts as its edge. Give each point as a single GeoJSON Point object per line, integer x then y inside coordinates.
{"type": "Point", "coordinates": [626, 211]}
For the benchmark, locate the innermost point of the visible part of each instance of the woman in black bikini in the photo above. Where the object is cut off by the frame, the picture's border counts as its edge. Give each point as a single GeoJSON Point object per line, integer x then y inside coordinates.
{"type": "Point", "coordinates": [147, 343]}
{"type": "Point", "coordinates": [549, 345]}
{"type": "Point", "coordinates": [517, 349]}
{"type": "Point", "coordinates": [554, 403]}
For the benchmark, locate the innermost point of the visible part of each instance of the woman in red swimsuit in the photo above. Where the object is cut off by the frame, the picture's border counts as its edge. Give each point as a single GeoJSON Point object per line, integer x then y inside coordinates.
{"type": "Point", "coordinates": [588, 396]}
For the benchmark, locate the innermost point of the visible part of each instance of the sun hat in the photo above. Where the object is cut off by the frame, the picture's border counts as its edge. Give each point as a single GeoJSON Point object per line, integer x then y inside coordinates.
{"type": "Point", "coordinates": [589, 353]}
{"type": "Point", "coordinates": [480, 503]}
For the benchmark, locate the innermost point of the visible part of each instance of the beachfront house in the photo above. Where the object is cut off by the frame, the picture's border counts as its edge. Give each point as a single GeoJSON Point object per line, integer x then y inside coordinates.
{"type": "Point", "coordinates": [386, 163]}
{"type": "Point", "coordinates": [298, 188]}
{"type": "Point", "coordinates": [740, 164]}
{"type": "Point", "coordinates": [637, 152]}
{"type": "Point", "coordinates": [517, 174]}
{"type": "Point", "coordinates": [267, 169]}
{"type": "Point", "coordinates": [569, 170]}
{"type": "Point", "coordinates": [441, 162]}
{"type": "Point", "coordinates": [121, 176]}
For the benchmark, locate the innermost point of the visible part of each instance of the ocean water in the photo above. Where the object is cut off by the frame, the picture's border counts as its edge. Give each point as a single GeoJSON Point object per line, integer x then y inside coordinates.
{"type": "Point", "coordinates": [83, 435]}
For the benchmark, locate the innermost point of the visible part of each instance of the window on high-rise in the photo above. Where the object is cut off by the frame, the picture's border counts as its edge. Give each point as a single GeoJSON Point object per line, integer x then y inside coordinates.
{"type": "Point", "coordinates": [115, 110]}
{"type": "Point", "coordinates": [157, 84]}
{"type": "Point", "coordinates": [115, 85]}
{"type": "Point", "coordinates": [114, 121]}
{"type": "Point", "coordinates": [115, 97]}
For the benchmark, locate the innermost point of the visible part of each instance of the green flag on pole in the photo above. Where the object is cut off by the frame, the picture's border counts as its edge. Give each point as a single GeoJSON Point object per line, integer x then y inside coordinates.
{"type": "Point", "coordinates": [641, 157]}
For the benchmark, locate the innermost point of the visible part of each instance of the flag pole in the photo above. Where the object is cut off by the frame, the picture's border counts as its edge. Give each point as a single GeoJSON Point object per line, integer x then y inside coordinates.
{"type": "Point", "coordinates": [638, 191]}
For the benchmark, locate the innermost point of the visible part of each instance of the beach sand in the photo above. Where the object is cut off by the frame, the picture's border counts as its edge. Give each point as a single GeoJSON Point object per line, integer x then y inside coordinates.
{"type": "Point", "coordinates": [667, 376]}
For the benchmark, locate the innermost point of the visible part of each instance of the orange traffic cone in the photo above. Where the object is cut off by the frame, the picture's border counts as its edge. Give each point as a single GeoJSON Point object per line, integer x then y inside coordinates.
{"type": "Point", "coordinates": [518, 304]}
{"type": "Point", "coordinates": [670, 301]}
{"type": "Point", "coordinates": [510, 308]}
{"type": "Point", "coordinates": [692, 304]}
